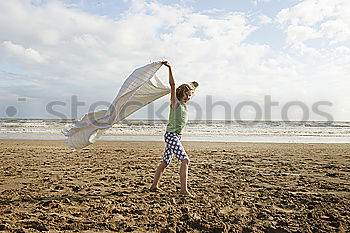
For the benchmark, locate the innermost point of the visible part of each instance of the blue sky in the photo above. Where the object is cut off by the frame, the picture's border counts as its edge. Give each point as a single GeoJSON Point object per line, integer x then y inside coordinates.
{"type": "Point", "coordinates": [242, 50]}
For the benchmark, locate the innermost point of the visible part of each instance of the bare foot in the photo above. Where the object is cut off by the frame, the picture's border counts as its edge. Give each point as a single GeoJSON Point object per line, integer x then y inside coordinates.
{"type": "Point", "coordinates": [186, 193]}
{"type": "Point", "coordinates": [155, 189]}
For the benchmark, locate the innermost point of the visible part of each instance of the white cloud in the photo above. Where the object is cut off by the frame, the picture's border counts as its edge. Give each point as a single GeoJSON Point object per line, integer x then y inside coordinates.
{"type": "Point", "coordinates": [308, 12]}
{"type": "Point", "coordinates": [51, 37]}
{"type": "Point", "coordinates": [336, 30]}
{"type": "Point", "coordinates": [264, 19]}
{"type": "Point", "coordinates": [256, 2]}
{"type": "Point", "coordinates": [299, 34]}
{"type": "Point", "coordinates": [21, 52]}
{"type": "Point", "coordinates": [324, 21]}
{"type": "Point", "coordinates": [331, 19]}
{"type": "Point", "coordinates": [93, 50]}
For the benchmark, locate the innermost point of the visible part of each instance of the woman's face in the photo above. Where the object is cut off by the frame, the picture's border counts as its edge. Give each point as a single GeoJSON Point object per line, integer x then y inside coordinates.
{"type": "Point", "coordinates": [187, 96]}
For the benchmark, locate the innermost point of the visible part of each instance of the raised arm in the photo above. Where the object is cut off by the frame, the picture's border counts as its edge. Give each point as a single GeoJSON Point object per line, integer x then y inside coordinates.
{"type": "Point", "coordinates": [172, 85]}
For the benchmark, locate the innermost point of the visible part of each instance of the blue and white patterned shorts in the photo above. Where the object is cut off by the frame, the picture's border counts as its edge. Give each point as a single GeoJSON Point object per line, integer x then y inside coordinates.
{"type": "Point", "coordinates": [173, 146]}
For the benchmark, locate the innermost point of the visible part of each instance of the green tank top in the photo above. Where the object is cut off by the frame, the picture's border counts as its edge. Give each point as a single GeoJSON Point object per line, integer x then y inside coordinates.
{"type": "Point", "coordinates": [177, 118]}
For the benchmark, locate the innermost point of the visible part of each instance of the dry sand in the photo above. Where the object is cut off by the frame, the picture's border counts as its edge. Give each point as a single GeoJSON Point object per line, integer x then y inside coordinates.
{"type": "Point", "coordinates": [239, 187]}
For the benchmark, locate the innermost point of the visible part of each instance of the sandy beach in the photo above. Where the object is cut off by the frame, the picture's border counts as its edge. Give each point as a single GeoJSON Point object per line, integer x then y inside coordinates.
{"type": "Point", "coordinates": [238, 187]}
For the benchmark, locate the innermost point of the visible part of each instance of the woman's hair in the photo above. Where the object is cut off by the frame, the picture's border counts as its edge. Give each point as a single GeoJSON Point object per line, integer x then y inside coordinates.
{"type": "Point", "coordinates": [182, 89]}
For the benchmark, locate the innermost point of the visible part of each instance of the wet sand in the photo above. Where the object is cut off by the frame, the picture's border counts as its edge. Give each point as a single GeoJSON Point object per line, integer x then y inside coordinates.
{"type": "Point", "coordinates": [239, 187]}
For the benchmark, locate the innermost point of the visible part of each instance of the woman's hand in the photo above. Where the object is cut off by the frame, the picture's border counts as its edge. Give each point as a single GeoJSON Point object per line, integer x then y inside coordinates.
{"type": "Point", "coordinates": [166, 63]}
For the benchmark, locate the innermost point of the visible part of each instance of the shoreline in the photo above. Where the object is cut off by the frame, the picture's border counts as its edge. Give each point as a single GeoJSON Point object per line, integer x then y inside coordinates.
{"type": "Point", "coordinates": [111, 142]}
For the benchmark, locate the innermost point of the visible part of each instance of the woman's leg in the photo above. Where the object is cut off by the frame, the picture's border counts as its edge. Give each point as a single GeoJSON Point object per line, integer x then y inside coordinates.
{"type": "Point", "coordinates": [158, 175]}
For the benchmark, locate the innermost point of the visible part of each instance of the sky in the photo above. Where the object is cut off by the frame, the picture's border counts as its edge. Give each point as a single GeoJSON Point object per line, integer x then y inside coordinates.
{"type": "Point", "coordinates": [253, 59]}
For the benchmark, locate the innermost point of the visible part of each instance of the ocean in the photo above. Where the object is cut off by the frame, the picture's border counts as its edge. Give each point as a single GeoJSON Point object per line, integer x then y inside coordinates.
{"type": "Point", "coordinates": [211, 131]}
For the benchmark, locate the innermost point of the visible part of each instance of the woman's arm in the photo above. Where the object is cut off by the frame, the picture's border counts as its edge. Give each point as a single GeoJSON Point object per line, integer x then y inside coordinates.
{"type": "Point", "coordinates": [172, 85]}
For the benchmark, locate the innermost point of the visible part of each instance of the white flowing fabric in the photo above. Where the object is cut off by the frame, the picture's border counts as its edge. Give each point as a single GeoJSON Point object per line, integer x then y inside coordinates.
{"type": "Point", "coordinates": [139, 89]}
